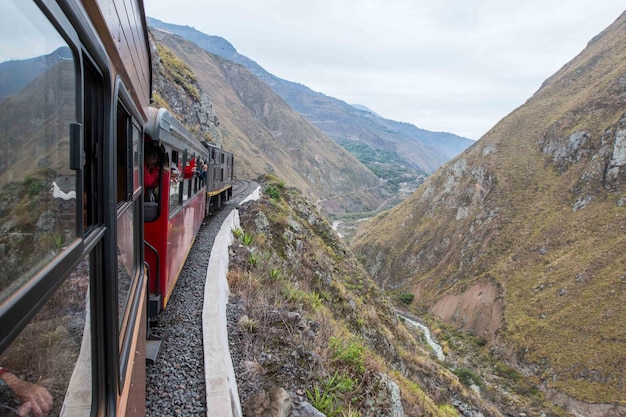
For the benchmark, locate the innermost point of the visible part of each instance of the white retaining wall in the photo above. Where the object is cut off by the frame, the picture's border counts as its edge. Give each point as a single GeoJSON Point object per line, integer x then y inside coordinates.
{"type": "Point", "coordinates": [222, 397]}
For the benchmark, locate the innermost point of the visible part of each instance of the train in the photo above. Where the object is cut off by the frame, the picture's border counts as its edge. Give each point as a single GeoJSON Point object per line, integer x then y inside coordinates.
{"type": "Point", "coordinates": [101, 197]}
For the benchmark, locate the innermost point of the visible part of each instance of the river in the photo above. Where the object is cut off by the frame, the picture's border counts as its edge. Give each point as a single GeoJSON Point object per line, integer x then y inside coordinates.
{"type": "Point", "coordinates": [433, 344]}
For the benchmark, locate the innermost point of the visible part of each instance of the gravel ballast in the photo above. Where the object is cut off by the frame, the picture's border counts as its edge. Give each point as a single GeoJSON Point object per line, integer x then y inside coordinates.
{"type": "Point", "coordinates": [175, 384]}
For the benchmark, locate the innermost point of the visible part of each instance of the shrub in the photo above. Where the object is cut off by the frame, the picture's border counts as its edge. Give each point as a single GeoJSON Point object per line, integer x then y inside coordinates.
{"type": "Point", "coordinates": [273, 192]}
{"type": "Point", "coordinates": [247, 239]}
{"type": "Point", "coordinates": [237, 233]}
{"type": "Point", "coordinates": [35, 185]}
{"type": "Point", "coordinates": [467, 377]}
{"type": "Point", "coordinates": [322, 401]}
{"type": "Point", "coordinates": [350, 353]}
{"type": "Point", "coordinates": [253, 259]}
{"type": "Point", "coordinates": [338, 383]}
{"type": "Point", "coordinates": [406, 298]}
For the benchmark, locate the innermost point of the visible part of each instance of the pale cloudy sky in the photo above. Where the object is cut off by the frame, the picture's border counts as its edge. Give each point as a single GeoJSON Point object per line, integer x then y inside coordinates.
{"type": "Point", "coordinates": [444, 65]}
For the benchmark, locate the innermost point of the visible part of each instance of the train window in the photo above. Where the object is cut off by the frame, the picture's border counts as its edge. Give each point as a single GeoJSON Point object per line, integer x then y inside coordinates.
{"type": "Point", "coordinates": [126, 265]}
{"type": "Point", "coordinates": [175, 179]}
{"type": "Point", "coordinates": [52, 353]}
{"type": "Point", "coordinates": [128, 234]}
{"type": "Point", "coordinates": [152, 172]}
{"type": "Point", "coordinates": [38, 209]}
{"type": "Point", "coordinates": [123, 146]}
{"type": "Point", "coordinates": [185, 184]}
{"type": "Point", "coordinates": [39, 212]}
{"type": "Point", "coordinates": [136, 158]}
{"type": "Point", "coordinates": [93, 128]}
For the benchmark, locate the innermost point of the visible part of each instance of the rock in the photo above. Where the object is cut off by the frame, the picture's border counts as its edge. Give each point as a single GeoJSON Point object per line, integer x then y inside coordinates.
{"type": "Point", "coordinates": [304, 409]}
{"type": "Point", "coordinates": [274, 402]}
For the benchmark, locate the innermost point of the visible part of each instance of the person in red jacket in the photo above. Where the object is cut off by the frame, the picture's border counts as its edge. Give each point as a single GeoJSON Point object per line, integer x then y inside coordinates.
{"type": "Point", "coordinates": [151, 175]}
{"type": "Point", "coordinates": [151, 171]}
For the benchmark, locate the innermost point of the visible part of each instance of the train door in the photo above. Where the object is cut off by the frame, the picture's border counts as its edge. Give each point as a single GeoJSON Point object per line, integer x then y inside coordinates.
{"type": "Point", "coordinates": [52, 225]}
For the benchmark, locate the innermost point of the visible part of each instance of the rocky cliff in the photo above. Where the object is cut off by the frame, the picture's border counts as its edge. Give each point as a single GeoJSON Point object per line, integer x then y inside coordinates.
{"type": "Point", "coordinates": [521, 238]}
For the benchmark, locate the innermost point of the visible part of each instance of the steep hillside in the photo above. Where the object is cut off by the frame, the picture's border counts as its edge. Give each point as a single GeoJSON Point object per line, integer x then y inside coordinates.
{"type": "Point", "coordinates": [421, 151]}
{"type": "Point", "coordinates": [307, 325]}
{"type": "Point", "coordinates": [521, 239]}
{"type": "Point", "coordinates": [267, 136]}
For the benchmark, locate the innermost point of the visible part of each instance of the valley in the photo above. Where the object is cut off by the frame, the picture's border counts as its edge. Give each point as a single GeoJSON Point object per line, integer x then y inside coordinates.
{"type": "Point", "coordinates": [510, 249]}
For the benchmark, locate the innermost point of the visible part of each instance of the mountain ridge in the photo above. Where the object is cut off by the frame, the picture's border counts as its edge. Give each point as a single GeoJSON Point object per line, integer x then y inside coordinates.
{"type": "Point", "coordinates": [520, 238]}
{"type": "Point", "coordinates": [267, 136]}
{"type": "Point", "coordinates": [423, 150]}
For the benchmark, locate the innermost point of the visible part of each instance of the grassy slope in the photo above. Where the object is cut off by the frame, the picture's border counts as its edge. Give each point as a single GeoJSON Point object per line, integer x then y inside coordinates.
{"type": "Point", "coordinates": [287, 260]}
{"type": "Point", "coordinates": [561, 271]}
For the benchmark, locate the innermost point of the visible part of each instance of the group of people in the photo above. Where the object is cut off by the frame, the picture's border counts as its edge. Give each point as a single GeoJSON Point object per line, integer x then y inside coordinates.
{"type": "Point", "coordinates": [201, 169]}
{"type": "Point", "coordinates": [152, 168]}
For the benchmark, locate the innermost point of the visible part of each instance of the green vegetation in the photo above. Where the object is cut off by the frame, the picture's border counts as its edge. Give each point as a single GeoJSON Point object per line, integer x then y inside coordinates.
{"type": "Point", "coordinates": [350, 353]}
{"type": "Point", "coordinates": [178, 71]}
{"type": "Point", "coordinates": [323, 401]}
{"type": "Point", "coordinates": [273, 192]}
{"type": "Point", "coordinates": [35, 185]}
{"type": "Point", "coordinates": [329, 395]}
{"type": "Point", "coordinates": [387, 165]}
{"type": "Point", "coordinates": [237, 233]}
{"type": "Point", "coordinates": [253, 259]}
{"type": "Point", "coordinates": [247, 239]}
{"type": "Point", "coordinates": [406, 298]}
{"type": "Point", "coordinates": [467, 376]}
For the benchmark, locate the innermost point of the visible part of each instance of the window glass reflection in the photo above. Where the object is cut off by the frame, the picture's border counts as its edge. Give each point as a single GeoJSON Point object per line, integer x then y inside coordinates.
{"type": "Point", "coordinates": [37, 105]}
{"type": "Point", "coordinates": [125, 260]}
{"type": "Point", "coordinates": [52, 354]}
{"type": "Point", "coordinates": [175, 181]}
{"type": "Point", "coordinates": [136, 159]}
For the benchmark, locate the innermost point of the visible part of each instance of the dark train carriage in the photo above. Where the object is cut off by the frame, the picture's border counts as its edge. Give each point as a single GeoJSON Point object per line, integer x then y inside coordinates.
{"type": "Point", "coordinates": [220, 172]}
{"type": "Point", "coordinates": [74, 94]}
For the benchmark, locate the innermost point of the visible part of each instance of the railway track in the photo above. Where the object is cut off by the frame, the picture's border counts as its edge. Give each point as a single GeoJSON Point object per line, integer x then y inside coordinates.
{"type": "Point", "coordinates": [176, 381]}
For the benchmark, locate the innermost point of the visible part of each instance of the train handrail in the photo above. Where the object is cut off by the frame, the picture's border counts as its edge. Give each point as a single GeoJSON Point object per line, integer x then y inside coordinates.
{"type": "Point", "coordinates": [156, 253]}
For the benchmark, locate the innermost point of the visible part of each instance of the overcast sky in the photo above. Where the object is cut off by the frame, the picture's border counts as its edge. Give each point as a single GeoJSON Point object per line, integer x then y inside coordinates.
{"type": "Point", "coordinates": [444, 65]}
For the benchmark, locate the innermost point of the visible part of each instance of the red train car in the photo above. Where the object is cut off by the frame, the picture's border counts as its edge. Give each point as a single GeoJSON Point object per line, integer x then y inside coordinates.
{"type": "Point", "coordinates": [175, 201]}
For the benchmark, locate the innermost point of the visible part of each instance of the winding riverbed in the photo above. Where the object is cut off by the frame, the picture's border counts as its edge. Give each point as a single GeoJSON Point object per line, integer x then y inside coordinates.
{"type": "Point", "coordinates": [433, 344]}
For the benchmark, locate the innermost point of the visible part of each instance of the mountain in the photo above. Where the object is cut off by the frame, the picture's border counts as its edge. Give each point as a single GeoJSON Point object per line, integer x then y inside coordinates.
{"type": "Point", "coordinates": [265, 134]}
{"type": "Point", "coordinates": [420, 150]}
{"type": "Point", "coordinates": [521, 239]}
{"type": "Point", "coordinates": [17, 74]}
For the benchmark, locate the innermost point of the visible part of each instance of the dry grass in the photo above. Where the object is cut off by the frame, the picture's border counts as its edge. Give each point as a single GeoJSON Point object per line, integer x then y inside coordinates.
{"type": "Point", "coordinates": [309, 295]}
{"type": "Point", "coordinates": [561, 270]}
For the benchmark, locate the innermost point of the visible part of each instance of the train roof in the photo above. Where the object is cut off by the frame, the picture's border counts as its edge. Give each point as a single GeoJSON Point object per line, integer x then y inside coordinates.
{"type": "Point", "coordinates": [163, 127]}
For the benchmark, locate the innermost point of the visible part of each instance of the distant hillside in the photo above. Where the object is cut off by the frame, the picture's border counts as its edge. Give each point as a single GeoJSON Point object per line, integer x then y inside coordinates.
{"type": "Point", "coordinates": [420, 151]}
{"type": "Point", "coordinates": [521, 239]}
{"type": "Point", "coordinates": [267, 136]}
{"type": "Point", "coordinates": [17, 74]}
